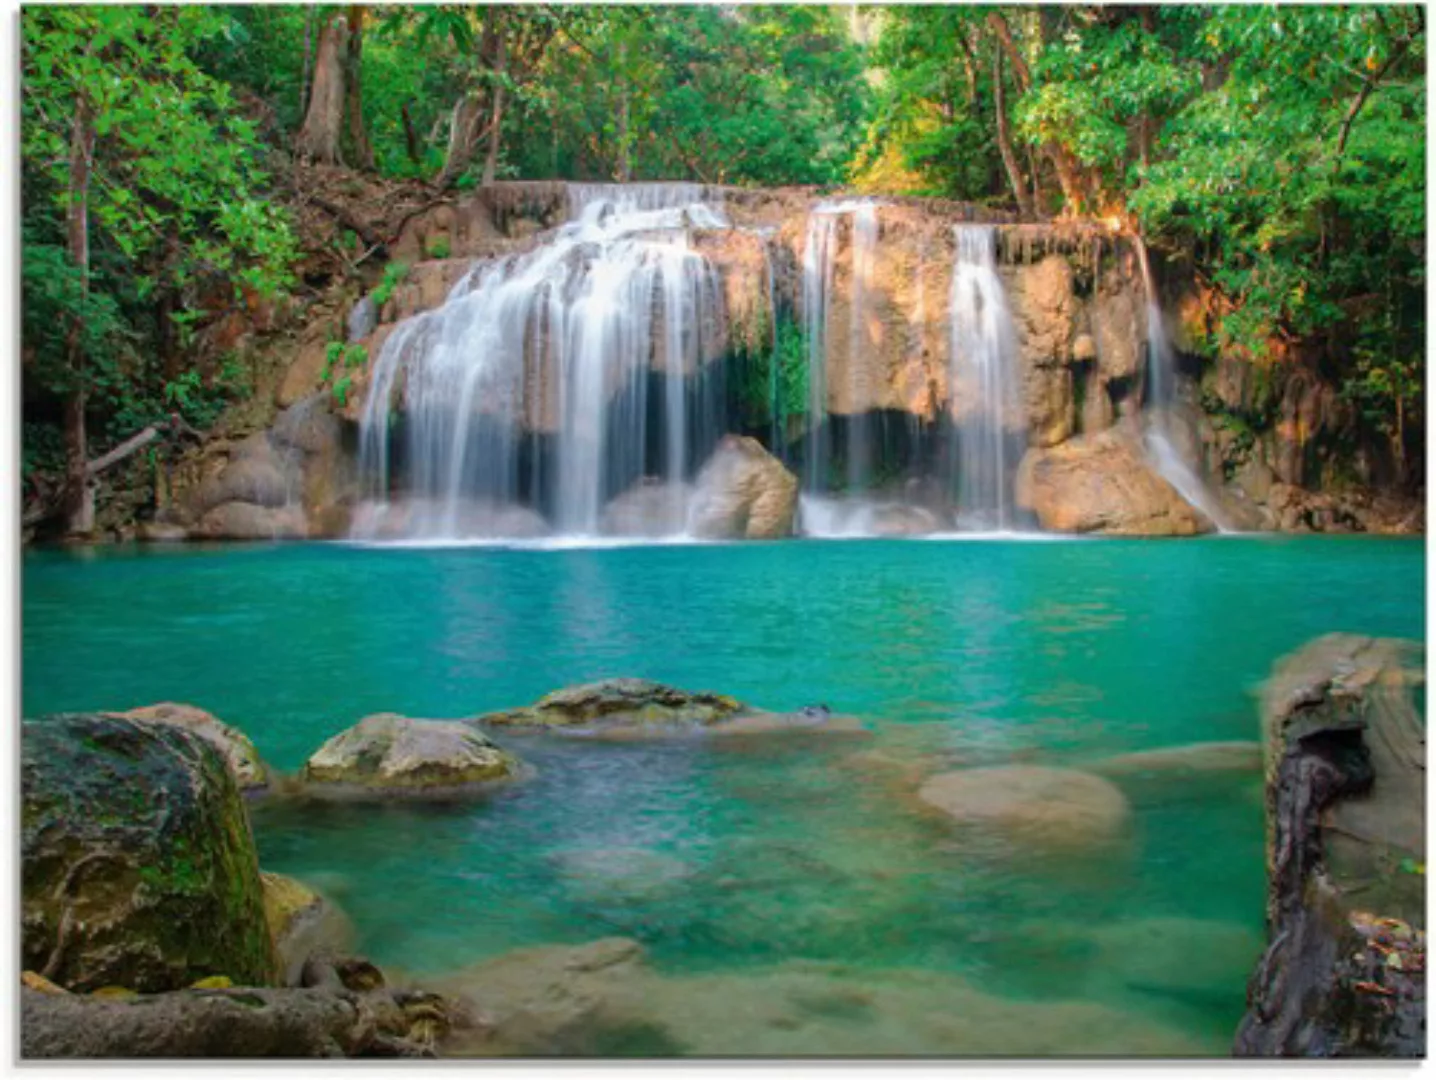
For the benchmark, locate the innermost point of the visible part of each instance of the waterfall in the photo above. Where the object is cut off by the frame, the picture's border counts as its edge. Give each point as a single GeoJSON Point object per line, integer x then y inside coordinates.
{"type": "Point", "coordinates": [1161, 395]}
{"type": "Point", "coordinates": [561, 339]}
{"type": "Point", "coordinates": [819, 258]}
{"type": "Point", "coordinates": [986, 410]}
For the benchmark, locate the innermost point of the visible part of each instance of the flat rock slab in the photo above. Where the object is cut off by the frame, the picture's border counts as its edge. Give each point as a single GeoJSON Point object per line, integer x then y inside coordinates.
{"type": "Point", "coordinates": [1056, 807]}
{"type": "Point", "coordinates": [623, 709]}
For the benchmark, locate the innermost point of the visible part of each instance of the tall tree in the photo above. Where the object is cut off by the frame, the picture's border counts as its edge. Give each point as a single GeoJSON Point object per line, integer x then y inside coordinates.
{"type": "Point", "coordinates": [319, 138]}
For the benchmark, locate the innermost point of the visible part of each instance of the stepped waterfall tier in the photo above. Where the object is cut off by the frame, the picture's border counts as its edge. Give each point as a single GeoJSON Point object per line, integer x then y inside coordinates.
{"type": "Point", "coordinates": [588, 306]}
{"type": "Point", "coordinates": [668, 361]}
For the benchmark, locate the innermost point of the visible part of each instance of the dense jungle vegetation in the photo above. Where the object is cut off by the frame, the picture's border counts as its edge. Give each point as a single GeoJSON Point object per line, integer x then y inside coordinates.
{"type": "Point", "coordinates": [167, 153]}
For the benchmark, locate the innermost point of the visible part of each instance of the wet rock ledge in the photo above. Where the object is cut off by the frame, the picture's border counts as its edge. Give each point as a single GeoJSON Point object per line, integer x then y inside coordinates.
{"type": "Point", "coordinates": [1344, 746]}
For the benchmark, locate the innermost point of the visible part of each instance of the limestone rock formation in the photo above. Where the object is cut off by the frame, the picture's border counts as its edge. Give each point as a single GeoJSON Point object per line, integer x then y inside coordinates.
{"type": "Point", "coordinates": [138, 868]}
{"type": "Point", "coordinates": [302, 923]}
{"type": "Point", "coordinates": [743, 492]}
{"type": "Point", "coordinates": [250, 773]}
{"type": "Point", "coordinates": [1345, 753]}
{"type": "Point", "coordinates": [635, 708]}
{"type": "Point", "coordinates": [1059, 808]}
{"type": "Point", "coordinates": [387, 754]}
{"type": "Point", "coordinates": [1103, 484]}
{"type": "Point", "coordinates": [474, 518]}
{"type": "Point", "coordinates": [649, 509]}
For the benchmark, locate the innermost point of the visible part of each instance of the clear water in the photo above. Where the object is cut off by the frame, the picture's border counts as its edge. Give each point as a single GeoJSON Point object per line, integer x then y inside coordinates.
{"type": "Point", "coordinates": [735, 862]}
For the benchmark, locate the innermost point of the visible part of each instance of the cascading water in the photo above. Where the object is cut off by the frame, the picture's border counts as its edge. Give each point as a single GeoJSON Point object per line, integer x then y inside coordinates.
{"type": "Point", "coordinates": [1161, 386]}
{"type": "Point", "coordinates": [819, 259]}
{"type": "Point", "coordinates": [570, 332]}
{"type": "Point", "coordinates": [986, 411]}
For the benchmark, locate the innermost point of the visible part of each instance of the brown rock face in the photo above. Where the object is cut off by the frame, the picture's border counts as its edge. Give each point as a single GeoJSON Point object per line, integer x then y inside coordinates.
{"type": "Point", "coordinates": [743, 492]}
{"type": "Point", "coordinates": [1103, 484]}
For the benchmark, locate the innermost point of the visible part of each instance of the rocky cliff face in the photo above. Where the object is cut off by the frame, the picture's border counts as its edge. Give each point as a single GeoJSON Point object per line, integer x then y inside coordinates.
{"type": "Point", "coordinates": [1271, 439]}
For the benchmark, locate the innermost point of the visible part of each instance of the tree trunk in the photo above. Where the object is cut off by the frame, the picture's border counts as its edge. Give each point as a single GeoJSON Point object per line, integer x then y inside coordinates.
{"type": "Point", "coordinates": [1004, 141]}
{"type": "Point", "coordinates": [318, 139]}
{"type": "Point", "coordinates": [465, 129]}
{"type": "Point", "coordinates": [463, 137]}
{"type": "Point", "coordinates": [308, 59]}
{"type": "Point", "coordinates": [353, 90]}
{"type": "Point", "coordinates": [411, 137]}
{"type": "Point", "coordinates": [496, 116]}
{"type": "Point", "coordinates": [79, 506]}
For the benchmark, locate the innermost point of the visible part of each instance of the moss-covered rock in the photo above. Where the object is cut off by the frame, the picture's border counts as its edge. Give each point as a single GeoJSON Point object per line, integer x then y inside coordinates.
{"type": "Point", "coordinates": [249, 771]}
{"type": "Point", "coordinates": [388, 754]}
{"type": "Point", "coordinates": [138, 866]}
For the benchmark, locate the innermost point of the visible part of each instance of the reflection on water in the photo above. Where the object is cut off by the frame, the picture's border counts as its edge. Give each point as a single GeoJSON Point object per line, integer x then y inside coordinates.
{"type": "Point", "coordinates": [787, 895]}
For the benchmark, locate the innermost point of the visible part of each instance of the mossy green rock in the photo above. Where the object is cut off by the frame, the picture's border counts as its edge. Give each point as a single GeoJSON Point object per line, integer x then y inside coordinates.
{"type": "Point", "coordinates": [138, 866]}
{"type": "Point", "coordinates": [388, 754]}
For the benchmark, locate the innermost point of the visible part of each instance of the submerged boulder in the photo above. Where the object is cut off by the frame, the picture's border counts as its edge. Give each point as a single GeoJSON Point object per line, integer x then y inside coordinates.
{"type": "Point", "coordinates": [388, 754]}
{"type": "Point", "coordinates": [1061, 808]}
{"type": "Point", "coordinates": [743, 493]}
{"type": "Point", "coordinates": [1103, 484]}
{"type": "Point", "coordinates": [138, 868]}
{"type": "Point", "coordinates": [635, 708]}
{"type": "Point", "coordinates": [1192, 758]}
{"type": "Point", "coordinates": [250, 773]}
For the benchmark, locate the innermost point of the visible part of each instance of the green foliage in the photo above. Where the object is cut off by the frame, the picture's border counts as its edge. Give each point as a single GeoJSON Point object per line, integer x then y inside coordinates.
{"type": "Point", "coordinates": [734, 95]}
{"type": "Point", "coordinates": [341, 359]}
{"type": "Point", "coordinates": [178, 224]}
{"type": "Point", "coordinates": [770, 384]}
{"type": "Point", "coordinates": [394, 275]}
{"type": "Point", "coordinates": [437, 247]}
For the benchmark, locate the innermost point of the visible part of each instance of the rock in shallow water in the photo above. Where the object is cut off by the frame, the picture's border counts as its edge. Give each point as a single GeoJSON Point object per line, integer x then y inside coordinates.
{"type": "Point", "coordinates": [1103, 484]}
{"type": "Point", "coordinates": [138, 867]}
{"type": "Point", "coordinates": [637, 708]}
{"type": "Point", "coordinates": [388, 754]}
{"type": "Point", "coordinates": [601, 999]}
{"type": "Point", "coordinates": [1060, 808]}
{"type": "Point", "coordinates": [743, 493]}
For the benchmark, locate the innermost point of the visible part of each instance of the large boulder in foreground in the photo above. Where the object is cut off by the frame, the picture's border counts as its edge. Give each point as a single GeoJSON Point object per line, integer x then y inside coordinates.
{"type": "Point", "coordinates": [250, 773]}
{"type": "Point", "coordinates": [1104, 484]}
{"type": "Point", "coordinates": [138, 868]}
{"type": "Point", "coordinates": [639, 708]}
{"type": "Point", "coordinates": [1344, 745]}
{"type": "Point", "coordinates": [743, 493]}
{"type": "Point", "coordinates": [388, 754]}
{"type": "Point", "coordinates": [1058, 808]}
